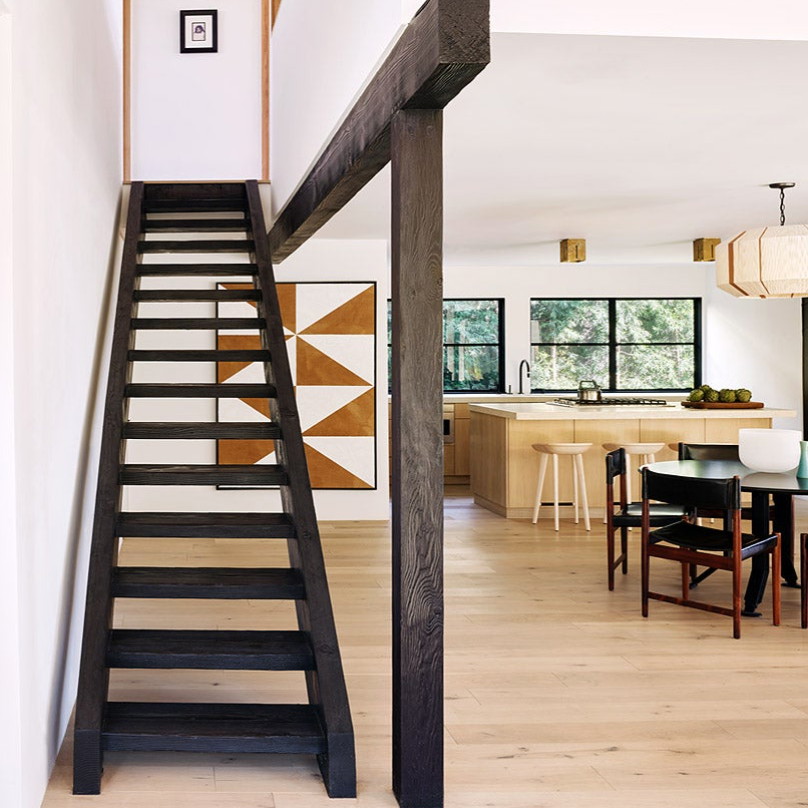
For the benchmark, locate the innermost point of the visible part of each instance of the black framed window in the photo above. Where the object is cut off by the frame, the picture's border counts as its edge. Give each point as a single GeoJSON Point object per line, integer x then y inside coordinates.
{"type": "Point", "coordinates": [624, 344]}
{"type": "Point", "coordinates": [473, 340]}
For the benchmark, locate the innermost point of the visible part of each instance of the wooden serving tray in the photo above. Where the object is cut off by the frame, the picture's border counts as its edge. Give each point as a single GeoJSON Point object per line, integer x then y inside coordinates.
{"type": "Point", "coordinates": [722, 405]}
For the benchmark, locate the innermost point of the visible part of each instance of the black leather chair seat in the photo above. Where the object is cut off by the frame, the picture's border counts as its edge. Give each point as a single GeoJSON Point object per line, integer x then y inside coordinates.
{"type": "Point", "coordinates": [661, 514]}
{"type": "Point", "coordinates": [698, 537]}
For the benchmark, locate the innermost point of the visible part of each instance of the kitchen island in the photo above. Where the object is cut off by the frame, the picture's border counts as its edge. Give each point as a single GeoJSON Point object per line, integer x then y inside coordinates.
{"type": "Point", "coordinates": [504, 467]}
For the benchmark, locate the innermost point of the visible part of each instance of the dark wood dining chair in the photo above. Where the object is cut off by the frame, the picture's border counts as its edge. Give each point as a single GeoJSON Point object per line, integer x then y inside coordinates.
{"type": "Point", "coordinates": [713, 451]}
{"type": "Point", "coordinates": [689, 543]}
{"type": "Point", "coordinates": [622, 514]}
{"type": "Point", "coordinates": [709, 451]}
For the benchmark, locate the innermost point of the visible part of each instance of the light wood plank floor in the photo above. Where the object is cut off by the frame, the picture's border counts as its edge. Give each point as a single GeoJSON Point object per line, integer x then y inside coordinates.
{"type": "Point", "coordinates": [558, 693]}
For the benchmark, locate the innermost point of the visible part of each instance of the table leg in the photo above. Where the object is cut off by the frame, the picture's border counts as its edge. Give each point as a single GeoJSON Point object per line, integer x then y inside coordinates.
{"type": "Point", "coordinates": [760, 563]}
{"type": "Point", "coordinates": [784, 525]}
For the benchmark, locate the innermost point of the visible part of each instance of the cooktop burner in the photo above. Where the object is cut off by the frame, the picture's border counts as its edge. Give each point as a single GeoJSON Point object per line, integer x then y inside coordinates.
{"type": "Point", "coordinates": [609, 402]}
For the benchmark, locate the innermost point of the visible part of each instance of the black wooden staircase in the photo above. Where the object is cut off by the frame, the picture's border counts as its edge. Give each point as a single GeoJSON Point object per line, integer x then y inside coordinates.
{"type": "Point", "coordinates": [321, 727]}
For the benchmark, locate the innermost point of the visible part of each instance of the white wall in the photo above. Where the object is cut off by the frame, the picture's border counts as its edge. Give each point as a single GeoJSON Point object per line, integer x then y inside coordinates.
{"type": "Point", "coordinates": [10, 760]}
{"type": "Point", "coordinates": [716, 19]}
{"type": "Point", "coordinates": [316, 75]}
{"type": "Point", "coordinates": [196, 116]}
{"type": "Point", "coordinates": [66, 158]}
{"type": "Point", "coordinates": [317, 260]}
{"type": "Point", "coordinates": [750, 343]}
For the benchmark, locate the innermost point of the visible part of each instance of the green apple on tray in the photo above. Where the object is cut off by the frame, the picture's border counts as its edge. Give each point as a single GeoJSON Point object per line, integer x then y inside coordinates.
{"type": "Point", "coordinates": [723, 396]}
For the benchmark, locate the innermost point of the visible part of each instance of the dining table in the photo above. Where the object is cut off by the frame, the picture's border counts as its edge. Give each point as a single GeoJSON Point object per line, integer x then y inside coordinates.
{"type": "Point", "coordinates": [768, 489]}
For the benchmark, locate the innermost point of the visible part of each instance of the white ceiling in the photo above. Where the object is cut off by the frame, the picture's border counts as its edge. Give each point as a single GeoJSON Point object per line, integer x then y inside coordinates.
{"type": "Point", "coordinates": [637, 144]}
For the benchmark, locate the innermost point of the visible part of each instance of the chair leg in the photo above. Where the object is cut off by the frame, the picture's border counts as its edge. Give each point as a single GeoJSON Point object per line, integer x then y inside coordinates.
{"type": "Point", "coordinates": [624, 548]}
{"type": "Point", "coordinates": [575, 487]}
{"type": "Point", "coordinates": [804, 580]}
{"type": "Point", "coordinates": [645, 575]}
{"type": "Point", "coordinates": [685, 580]}
{"type": "Point", "coordinates": [775, 579]}
{"type": "Point", "coordinates": [542, 473]}
{"type": "Point", "coordinates": [736, 598]}
{"type": "Point", "coordinates": [579, 465]}
{"type": "Point", "coordinates": [610, 555]}
{"type": "Point", "coordinates": [555, 491]}
{"type": "Point", "coordinates": [628, 478]}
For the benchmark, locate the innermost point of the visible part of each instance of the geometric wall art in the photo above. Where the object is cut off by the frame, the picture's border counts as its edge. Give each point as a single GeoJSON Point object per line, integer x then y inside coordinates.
{"type": "Point", "coordinates": [330, 331]}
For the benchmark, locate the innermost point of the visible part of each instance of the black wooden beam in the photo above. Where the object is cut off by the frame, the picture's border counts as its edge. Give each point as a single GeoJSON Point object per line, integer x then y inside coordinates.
{"type": "Point", "coordinates": [417, 457]}
{"type": "Point", "coordinates": [439, 53]}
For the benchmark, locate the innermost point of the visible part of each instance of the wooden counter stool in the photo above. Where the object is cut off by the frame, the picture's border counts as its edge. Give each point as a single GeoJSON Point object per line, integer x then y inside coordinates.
{"type": "Point", "coordinates": [646, 452]}
{"type": "Point", "coordinates": [574, 450]}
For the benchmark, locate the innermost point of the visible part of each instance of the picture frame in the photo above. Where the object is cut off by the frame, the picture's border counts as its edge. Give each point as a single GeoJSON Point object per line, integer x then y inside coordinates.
{"type": "Point", "coordinates": [199, 31]}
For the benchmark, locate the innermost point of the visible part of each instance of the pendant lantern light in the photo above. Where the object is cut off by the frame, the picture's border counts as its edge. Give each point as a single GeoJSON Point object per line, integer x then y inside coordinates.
{"type": "Point", "coordinates": [766, 261]}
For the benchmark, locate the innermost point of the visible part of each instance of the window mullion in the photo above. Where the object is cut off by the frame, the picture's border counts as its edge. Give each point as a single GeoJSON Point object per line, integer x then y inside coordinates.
{"type": "Point", "coordinates": [612, 344]}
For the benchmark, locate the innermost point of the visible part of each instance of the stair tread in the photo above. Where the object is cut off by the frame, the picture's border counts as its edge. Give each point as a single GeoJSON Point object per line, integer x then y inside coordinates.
{"type": "Point", "coordinates": [170, 474]}
{"type": "Point", "coordinates": [196, 245]}
{"type": "Point", "coordinates": [194, 225]}
{"type": "Point", "coordinates": [213, 727]}
{"type": "Point", "coordinates": [209, 649]}
{"type": "Point", "coordinates": [214, 430]}
{"type": "Point", "coordinates": [197, 269]}
{"type": "Point", "coordinates": [194, 390]}
{"type": "Point", "coordinates": [197, 294]}
{"type": "Point", "coordinates": [199, 323]}
{"type": "Point", "coordinates": [208, 582]}
{"type": "Point", "coordinates": [204, 525]}
{"type": "Point", "coordinates": [210, 205]}
{"type": "Point", "coordinates": [199, 356]}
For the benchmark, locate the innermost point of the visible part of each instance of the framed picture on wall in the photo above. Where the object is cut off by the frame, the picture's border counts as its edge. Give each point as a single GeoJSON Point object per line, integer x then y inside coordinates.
{"type": "Point", "coordinates": [198, 31]}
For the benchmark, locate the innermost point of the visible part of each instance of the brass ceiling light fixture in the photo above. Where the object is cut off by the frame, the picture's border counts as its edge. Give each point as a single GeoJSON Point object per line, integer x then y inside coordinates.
{"type": "Point", "coordinates": [573, 250]}
{"type": "Point", "coordinates": [766, 261]}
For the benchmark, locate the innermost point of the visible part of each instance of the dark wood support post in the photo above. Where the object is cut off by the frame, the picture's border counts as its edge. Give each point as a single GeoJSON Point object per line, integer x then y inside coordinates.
{"type": "Point", "coordinates": [417, 466]}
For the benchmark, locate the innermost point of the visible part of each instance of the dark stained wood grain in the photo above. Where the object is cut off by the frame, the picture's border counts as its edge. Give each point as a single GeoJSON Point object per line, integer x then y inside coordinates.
{"type": "Point", "coordinates": [193, 196]}
{"type": "Point", "coordinates": [93, 674]}
{"type": "Point", "coordinates": [199, 245]}
{"type": "Point", "coordinates": [219, 525]}
{"type": "Point", "coordinates": [439, 53]}
{"type": "Point", "coordinates": [326, 686]}
{"type": "Point", "coordinates": [219, 583]}
{"type": "Point", "coordinates": [417, 458]}
{"type": "Point", "coordinates": [194, 390]}
{"type": "Point", "coordinates": [323, 727]}
{"type": "Point", "coordinates": [198, 323]}
{"type": "Point", "coordinates": [221, 728]}
{"type": "Point", "coordinates": [209, 650]}
{"type": "Point", "coordinates": [199, 356]}
{"type": "Point", "coordinates": [188, 270]}
{"type": "Point", "coordinates": [215, 430]}
{"type": "Point", "coordinates": [163, 474]}
{"type": "Point", "coordinates": [218, 295]}
{"type": "Point", "coordinates": [194, 225]}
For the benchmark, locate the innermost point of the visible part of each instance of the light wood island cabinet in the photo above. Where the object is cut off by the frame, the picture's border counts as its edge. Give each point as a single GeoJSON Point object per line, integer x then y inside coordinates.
{"type": "Point", "coordinates": [504, 467]}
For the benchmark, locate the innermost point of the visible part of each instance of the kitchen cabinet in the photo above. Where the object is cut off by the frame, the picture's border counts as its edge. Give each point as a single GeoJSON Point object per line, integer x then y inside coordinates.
{"type": "Point", "coordinates": [504, 467]}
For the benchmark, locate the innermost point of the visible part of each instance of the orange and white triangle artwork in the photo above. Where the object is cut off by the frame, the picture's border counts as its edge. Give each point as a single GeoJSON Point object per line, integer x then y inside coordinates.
{"type": "Point", "coordinates": [333, 363]}
{"type": "Point", "coordinates": [357, 316]}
